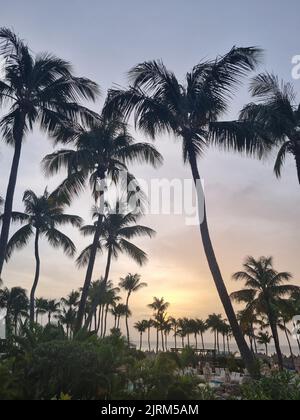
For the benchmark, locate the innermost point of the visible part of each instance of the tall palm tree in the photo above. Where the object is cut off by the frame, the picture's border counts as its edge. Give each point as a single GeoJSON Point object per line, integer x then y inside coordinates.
{"type": "Point", "coordinates": [115, 235]}
{"type": "Point", "coordinates": [264, 289]}
{"type": "Point", "coordinates": [15, 302]}
{"type": "Point", "coordinates": [150, 324]}
{"type": "Point", "coordinates": [159, 306]}
{"type": "Point", "coordinates": [191, 111]}
{"type": "Point", "coordinates": [141, 327]}
{"type": "Point", "coordinates": [275, 117]}
{"type": "Point", "coordinates": [174, 323]}
{"type": "Point", "coordinates": [264, 338]}
{"type": "Point", "coordinates": [131, 284]}
{"type": "Point", "coordinates": [67, 317]}
{"type": "Point", "coordinates": [34, 89]}
{"type": "Point", "coordinates": [103, 149]}
{"type": "Point", "coordinates": [41, 218]}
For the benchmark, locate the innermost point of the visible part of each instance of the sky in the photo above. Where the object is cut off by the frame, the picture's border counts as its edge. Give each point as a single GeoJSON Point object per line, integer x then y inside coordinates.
{"type": "Point", "coordinates": [250, 212]}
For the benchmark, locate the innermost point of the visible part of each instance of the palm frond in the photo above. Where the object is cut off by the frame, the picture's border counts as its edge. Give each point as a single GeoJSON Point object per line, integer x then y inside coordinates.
{"type": "Point", "coordinates": [19, 240]}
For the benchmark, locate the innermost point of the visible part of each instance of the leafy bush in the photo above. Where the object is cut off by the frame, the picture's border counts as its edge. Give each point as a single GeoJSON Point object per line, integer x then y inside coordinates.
{"type": "Point", "coordinates": [282, 386]}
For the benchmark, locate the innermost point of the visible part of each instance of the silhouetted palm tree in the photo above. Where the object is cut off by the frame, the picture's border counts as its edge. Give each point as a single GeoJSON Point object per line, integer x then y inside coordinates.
{"type": "Point", "coordinates": [131, 284]}
{"type": "Point", "coordinates": [264, 338]}
{"type": "Point", "coordinates": [34, 89]}
{"type": "Point", "coordinates": [103, 149]}
{"type": "Point", "coordinates": [159, 306]}
{"type": "Point", "coordinates": [120, 311]}
{"type": "Point", "coordinates": [141, 327]}
{"type": "Point", "coordinates": [53, 308]}
{"type": "Point", "coordinates": [15, 302]}
{"type": "Point", "coordinates": [161, 104]}
{"type": "Point", "coordinates": [41, 218]}
{"type": "Point", "coordinates": [264, 289]}
{"type": "Point", "coordinates": [116, 232]}
{"type": "Point", "coordinates": [40, 308]}
{"type": "Point", "coordinates": [275, 118]}
{"type": "Point", "coordinates": [214, 323]}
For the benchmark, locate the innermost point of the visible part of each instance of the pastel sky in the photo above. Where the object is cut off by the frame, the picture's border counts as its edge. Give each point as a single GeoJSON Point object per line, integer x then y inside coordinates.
{"type": "Point", "coordinates": [250, 212]}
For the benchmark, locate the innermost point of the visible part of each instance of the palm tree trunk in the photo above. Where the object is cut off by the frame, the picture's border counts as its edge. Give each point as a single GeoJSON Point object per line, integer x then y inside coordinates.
{"type": "Point", "coordinates": [289, 343]}
{"type": "Point", "coordinates": [267, 352]}
{"type": "Point", "coordinates": [49, 318]}
{"type": "Point", "coordinates": [228, 345]}
{"type": "Point", "coordinates": [162, 340]}
{"type": "Point", "coordinates": [141, 341]}
{"type": "Point", "coordinates": [88, 277]}
{"type": "Point", "coordinates": [157, 340]}
{"type": "Point", "coordinates": [37, 275]}
{"type": "Point", "coordinates": [106, 275]}
{"type": "Point", "coordinates": [105, 320]}
{"type": "Point", "coordinates": [196, 341]}
{"type": "Point", "coordinates": [245, 352]}
{"type": "Point", "coordinates": [166, 341]}
{"type": "Point", "coordinates": [126, 318]}
{"type": "Point", "coordinates": [10, 192]}
{"type": "Point", "coordinates": [297, 158]}
{"type": "Point", "coordinates": [149, 344]}
{"type": "Point", "coordinates": [175, 338]}
{"type": "Point", "coordinates": [273, 325]}
{"type": "Point", "coordinates": [202, 340]}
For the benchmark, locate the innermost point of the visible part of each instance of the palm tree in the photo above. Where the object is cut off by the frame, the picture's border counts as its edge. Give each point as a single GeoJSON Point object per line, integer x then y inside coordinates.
{"type": "Point", "coordinates": [159, 306]}
{"type": "Point", "coordinates": [53, 309]}
{"type": "Point", "coordinates": [116, 231]}
{"type": "Point", "coordinates": [103, 149]}
{"type": "Point", "coordinates": [150, 324]}
{"type": "Point", "coordinates": [34, 89]}
{"type": "Point", "coordinates": [141, 327]}
{"type": "Point", "coordinates": [264, 289]}
{"type": "Point", "coordinates": [41, 218]}
{"type": "Point", "coordinates": [275, 118]}
{"type": "Point", "coordinates": [214, 322]}
{"type": "Point", "coordinates": [191, 112]}
{"type": "Point", "coordinates": [264, 338]}
{"type": "Point", "coordinates": [72, 300]}
{"type": "Point", "coordinates": [131, 284]}
{"type": "Point", "coordinates": [202, 328]}
{"type": "Point", "coordinates": [67, 317]}
{"type": "Point", "coordinates": [15, 302]}
{"type": "Point", "coordinates": [247, 319]}
{"type": "Point", "coordinates": [175, 326]}
{"type": "Point", "coordinates": [41, 306]}
{"type": "Point", "coordinates": [120, 311]}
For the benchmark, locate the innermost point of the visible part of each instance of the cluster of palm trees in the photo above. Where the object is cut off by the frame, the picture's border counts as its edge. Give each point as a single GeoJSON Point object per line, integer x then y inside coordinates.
{"type": "Point", "coordinates": [41, 90]}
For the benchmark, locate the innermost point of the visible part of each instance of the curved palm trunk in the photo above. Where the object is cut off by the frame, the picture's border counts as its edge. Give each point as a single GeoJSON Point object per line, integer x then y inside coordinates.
{"type": "Point", "coordinates": [126, 318]}
{"type": "Point", "coordinates": [95, 303]}
{"type": "Point", "coordinates": [88, 277]}
{"type": "Point", "coordinates": [37, 275]}
{"type": "Point", "coordinates": [246, 354]}
{"type": "Point", "coordinates": [10, 192]}
{"type": "Point", "coordinates": [162, 340]}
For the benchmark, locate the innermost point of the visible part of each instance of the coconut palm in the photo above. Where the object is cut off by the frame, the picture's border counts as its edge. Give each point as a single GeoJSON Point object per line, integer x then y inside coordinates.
{"type": "Point", "coordinates": [201, 328]}
{"type": "Point", "coordinates": [41, 218]}
{"type": "Point", "coordinates": [34, 89]}
{"type": "Point", "coordinates": [15, 302]}
{"type": "Point", "coordinates": [275, 116]}
{"type": "Point", "coordinates": [67, 318]}
{"type": "Point", "coordinates": [131, 284]}
{"type": "Point", "coordinates": [264, 289]}
{"type": "Point", "coordinates": [149, 326]}
{"type": "Point", "coordinates": [191, 111]}
{"type": "Point", "coordinates": [120, 311]}
{"type": "Point", "coordinates": [141, 327]}
{"type": "Point", "coordinates": [174, 323]}
{"type": "Point", "coordinates": [214, 323]}
{"type": "Point", "coordinates": [115, 235]}
{"type": "Point", "coordinates": [264, 338]}
{"type": "Point", "coordinates": [52, 309]}
{"type": "Point", "coordinates": [103, 149]}
{"type": "Point", "coordinates": [41, 306]}
{"type": "Point", "coordinates": [247, 319]}
{"type": "Point", "coordinates": [72, 300]}
{"type": "Point", "coordinates": [159, 306]}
